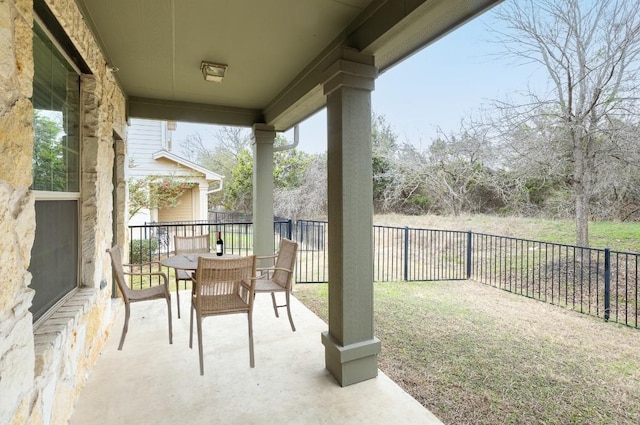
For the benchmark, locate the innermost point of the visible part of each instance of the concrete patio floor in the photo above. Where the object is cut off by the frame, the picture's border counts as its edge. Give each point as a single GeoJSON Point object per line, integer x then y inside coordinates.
{"type": "Point", "coordinates": [152, 382]}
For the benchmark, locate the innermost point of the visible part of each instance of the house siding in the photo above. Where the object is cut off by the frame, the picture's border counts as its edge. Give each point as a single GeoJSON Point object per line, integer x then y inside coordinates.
{"type": "Point", "coordinates": [184, 211]}
{"type": "Point", "coordinates": [146, 138]}
{"type": "Point", "coordinates": [43, 369]}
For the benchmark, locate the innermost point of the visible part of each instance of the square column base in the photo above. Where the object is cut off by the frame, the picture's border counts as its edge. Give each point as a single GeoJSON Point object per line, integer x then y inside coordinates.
{"type": "Point", "coordinates": [352, 363]}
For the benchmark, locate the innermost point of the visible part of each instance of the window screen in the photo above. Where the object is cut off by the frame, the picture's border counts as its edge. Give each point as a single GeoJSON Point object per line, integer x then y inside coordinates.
{"type": "Point", "coordinates": [54, 256]}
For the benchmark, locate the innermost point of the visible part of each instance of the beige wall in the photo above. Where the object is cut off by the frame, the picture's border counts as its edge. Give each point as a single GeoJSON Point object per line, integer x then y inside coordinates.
{"type": "Point", "coordinates": [184, 211]}
{"type": "Point", "coordinates": [42, 370]}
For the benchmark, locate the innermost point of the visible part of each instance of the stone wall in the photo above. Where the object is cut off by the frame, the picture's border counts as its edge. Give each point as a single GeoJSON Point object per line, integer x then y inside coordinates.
{"type": "Point", "coordinates": [42, 370]}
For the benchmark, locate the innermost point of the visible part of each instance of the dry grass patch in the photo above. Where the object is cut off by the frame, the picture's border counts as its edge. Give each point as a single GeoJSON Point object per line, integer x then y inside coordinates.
{"type": "Point", "coordinates": [473, 354]}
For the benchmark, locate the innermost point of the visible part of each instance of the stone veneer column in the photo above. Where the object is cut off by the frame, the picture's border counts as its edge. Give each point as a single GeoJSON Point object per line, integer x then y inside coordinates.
{"type": "Point", "coordinates": [43, 369]}
{"type": "Point", "coordinates": [97, 164]}
{"type": "Point", "coordinates": [120, 187]}
{"type": "Point", "coordinates": [351, 349]}
{"type": "Point", "coordinates": [263, 137]}
{"type": "Point", "coordinates": [17, 213]}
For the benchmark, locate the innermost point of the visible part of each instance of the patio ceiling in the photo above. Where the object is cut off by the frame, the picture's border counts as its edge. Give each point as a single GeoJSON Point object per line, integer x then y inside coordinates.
{"type": "Point", "coordinates": [276, 51]}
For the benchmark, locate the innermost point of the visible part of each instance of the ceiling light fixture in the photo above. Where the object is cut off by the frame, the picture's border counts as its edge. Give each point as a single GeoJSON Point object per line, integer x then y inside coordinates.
{"type": "Point", "coordinates": [213, 71]}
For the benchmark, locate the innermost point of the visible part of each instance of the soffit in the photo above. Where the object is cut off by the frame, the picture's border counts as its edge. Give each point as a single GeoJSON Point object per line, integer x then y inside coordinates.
{"type": "Point", "coordinates": [275, 50]}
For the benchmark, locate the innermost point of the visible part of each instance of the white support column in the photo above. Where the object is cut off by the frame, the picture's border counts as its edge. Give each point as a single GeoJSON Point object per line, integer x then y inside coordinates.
{"type": "Point", "coordinates": [263, 138]}
{"type": "Point", "coordinates": [203, 201]}
{"type": "Point", "coordinates": [351, 349]}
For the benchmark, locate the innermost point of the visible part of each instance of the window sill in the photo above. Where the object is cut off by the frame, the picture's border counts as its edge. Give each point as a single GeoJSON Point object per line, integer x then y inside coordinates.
{"type": "Point", "coordinates": [59, 331]}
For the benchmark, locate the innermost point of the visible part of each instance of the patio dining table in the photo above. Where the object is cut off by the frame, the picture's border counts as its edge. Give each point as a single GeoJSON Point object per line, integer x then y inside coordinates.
{"type": "Point", "coordinates": [190, 261]}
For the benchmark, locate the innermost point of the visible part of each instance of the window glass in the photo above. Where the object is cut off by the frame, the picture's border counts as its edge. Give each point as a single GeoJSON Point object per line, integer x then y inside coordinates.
{"type": "Point", "coordinates": [56, 101]}
{"type": "Point", "coordinates": [56, 175]}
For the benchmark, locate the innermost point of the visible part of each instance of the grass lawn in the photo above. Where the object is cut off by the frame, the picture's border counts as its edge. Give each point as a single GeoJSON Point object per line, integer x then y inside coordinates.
{"type": "Point", "coordinates": [617, 236]}
{"type": "Point", "coordinates": [473, 354]}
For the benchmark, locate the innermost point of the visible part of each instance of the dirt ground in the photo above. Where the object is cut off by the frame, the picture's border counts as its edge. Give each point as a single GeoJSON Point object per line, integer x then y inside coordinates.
{"type": "Point", "coordinates": [474, 354]}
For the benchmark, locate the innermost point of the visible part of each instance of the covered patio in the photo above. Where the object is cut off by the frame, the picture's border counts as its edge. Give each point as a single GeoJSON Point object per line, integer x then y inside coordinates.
{"type": "Point", "coordinates": [269, 66]}
{"type": "Point", "coordinates": [94, 64]}
{"type": "Point", "coordinates": [150, 381]}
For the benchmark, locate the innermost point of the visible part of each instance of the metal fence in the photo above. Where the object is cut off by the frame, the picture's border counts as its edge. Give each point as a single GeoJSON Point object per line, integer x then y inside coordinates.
{"type": "Point", "coordinates": [154, 241]}
{"type": "Point", "coordinates": [403, 253]}
{"type": "Point", "coordinates": [598, 282]}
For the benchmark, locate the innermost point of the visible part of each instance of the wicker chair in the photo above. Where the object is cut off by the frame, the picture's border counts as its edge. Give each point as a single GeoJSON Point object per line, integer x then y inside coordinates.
{"type": "Point", "coordinates": [278, 277]}
{"type": "Point", "coordinates": [135, 295]}
{"type": "Point", "coordinates": [223, 286]}
{"type": "Point", "coordinates": [188, 245]}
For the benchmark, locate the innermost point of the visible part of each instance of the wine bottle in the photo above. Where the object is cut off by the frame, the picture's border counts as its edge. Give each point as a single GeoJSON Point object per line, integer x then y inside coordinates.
{"type": "Point", "coordinates": [219, 245]}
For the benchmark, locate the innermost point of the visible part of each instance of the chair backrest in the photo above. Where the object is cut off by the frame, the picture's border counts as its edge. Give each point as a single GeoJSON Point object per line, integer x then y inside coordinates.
{"type": "Point", "coordinates": [192, 244]}
{"type": "Point", "coordinates": [286, 259]}
{"type": "Point", "coordinates": [215, 276]}
{"type": "Point", "coordinates": [118, 272]}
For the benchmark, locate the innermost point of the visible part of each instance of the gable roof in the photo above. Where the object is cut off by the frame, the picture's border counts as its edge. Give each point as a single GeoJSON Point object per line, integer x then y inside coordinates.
{"type": "Point", "coordinates": [208, 174]}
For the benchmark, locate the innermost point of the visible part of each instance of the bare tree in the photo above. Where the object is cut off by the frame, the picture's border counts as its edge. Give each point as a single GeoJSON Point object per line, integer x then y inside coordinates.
{"type": "Point", "coordinates": [617, 183]}
{"type": "Point", "coordinates": [452, 176]}
{"type": "Point", "coordinates": [220, 151]}
{"type": "Point", "coordinates": [536, 165]}
{"type": "Point", "coordinates": [216, 150]}
{"type": "Point", "coordinates": [589, 50]}
{"type": "Point", "coordinates": [404, 177]}
{"type": "Point", "coordinates": [461, 165]}
{"type": "Point", "coordinates": [384, 149]}
{"type": "Point", "coordinates": [309, 200]}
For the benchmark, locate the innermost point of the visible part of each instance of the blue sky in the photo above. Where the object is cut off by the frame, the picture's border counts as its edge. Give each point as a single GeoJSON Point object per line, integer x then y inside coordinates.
{"type": "Point", "coordinates": [436, 87]}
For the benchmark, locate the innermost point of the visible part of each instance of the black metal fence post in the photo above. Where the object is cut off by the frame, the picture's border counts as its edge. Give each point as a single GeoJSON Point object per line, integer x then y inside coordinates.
{"type": "Point", "coordinates": [607, 283]}
{"type": "Point", "coordinates": [406, 253]}
{"type": "Point", "coordinates": [290, 229]}
{"type": "Point", "coordinates": [469, 244]}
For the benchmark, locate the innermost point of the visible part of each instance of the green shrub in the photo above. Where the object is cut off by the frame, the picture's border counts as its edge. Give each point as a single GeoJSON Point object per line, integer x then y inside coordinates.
{"type": "Point", "coordinates": [140, 250]}
{"type": "Point", "coordinates": [419, 200]}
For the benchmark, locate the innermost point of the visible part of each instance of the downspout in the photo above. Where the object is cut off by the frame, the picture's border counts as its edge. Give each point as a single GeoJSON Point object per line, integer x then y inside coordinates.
{"type": "Point", "coordinates": [218, 189]}
{"type": "Point", "coordinates": [296, 139]}
{"type": "Point", "coordinates": [210, 191]}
